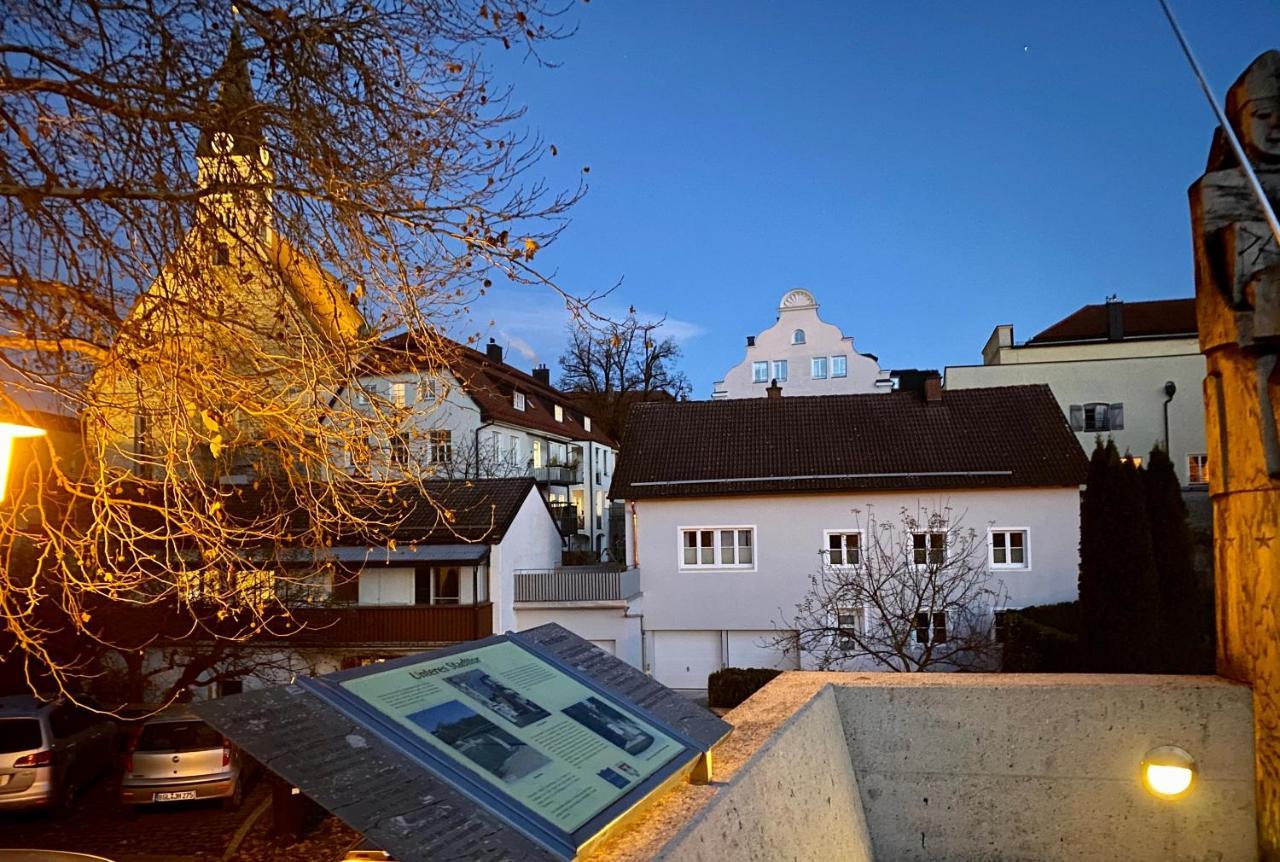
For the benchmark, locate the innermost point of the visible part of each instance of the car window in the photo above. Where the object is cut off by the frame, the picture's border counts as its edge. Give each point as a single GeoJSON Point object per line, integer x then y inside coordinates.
{"type": "Point", "coordinates": [178, 736]}
{"type": "Point", "coordinates": [20, 734]}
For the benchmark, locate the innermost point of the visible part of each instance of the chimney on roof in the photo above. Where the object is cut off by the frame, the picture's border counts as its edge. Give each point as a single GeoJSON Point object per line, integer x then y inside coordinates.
{"type": "Point", "coordinates": [933, 388]}
{"type": "Point", "coordinates": [751, 341]}
{"type": "Point", "coordinates": [774, 390]}
{"type": "Point", "coordinates": [542, 374]}
{"type": "Point", "coordinates": [493, 350]}
{"type": "Point", "coordinates": [1115, 319]}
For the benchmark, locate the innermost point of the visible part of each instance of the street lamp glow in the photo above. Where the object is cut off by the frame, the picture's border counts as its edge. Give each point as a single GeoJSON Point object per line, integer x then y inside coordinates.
{"type": "Point", "coordinates": [8, 433]}
{"type": "Point", "coordinates": [1168, 772]}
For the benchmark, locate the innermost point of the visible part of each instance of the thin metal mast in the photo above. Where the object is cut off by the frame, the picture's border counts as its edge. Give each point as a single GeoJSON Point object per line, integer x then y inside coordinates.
{"type": "Point", "coordinates": [1245, 166]}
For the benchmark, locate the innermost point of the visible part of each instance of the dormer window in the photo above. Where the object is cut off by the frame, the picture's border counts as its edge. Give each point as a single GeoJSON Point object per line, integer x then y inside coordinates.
{"type": "Point", "coordinates": [559, 413]}
{"type": "Point", "coordinates": [517, 400]}
{"type": "Point", "coordinates": [797, 337]}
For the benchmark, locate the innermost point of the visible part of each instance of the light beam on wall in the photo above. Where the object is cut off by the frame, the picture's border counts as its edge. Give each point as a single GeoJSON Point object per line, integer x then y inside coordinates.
{"type": "Point", "coordinates": [8, 433]}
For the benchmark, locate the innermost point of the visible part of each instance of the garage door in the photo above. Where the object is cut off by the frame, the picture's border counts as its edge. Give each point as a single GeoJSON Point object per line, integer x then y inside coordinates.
{"type": "Point", "coordinates": [684, 659]}
{"type": "Point", "coordinates": [611, 647]}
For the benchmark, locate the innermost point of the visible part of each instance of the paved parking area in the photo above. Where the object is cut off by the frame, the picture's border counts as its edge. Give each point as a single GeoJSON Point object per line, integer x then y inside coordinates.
{"type": "Point", "coordinates": [180, 832]}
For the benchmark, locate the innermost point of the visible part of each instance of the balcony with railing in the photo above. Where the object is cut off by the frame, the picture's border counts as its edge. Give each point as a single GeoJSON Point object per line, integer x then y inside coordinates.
{"type": "Point", "coordinates": [557, 474]}
{"type": "Point", "coordinates": [320, 625]}
{"type": "Point", "coordinates": [567, 517]}
{"type": "Point", "coordinates": [568, 584]}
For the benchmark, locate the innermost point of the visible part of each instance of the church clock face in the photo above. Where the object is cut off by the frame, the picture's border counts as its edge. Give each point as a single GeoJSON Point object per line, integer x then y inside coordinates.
{"type": "Point", "coordinates": [222, 142]}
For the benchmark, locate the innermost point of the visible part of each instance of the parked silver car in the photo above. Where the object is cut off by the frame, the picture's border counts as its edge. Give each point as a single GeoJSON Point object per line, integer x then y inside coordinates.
{"type": "Point", "coordinates": [176, 757]}
{"type": "Point", "coordinates": [50, 750]}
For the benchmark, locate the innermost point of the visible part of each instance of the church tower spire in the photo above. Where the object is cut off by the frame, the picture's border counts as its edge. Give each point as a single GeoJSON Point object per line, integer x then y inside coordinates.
{"type": "Point", "coordinates": [231, 151]}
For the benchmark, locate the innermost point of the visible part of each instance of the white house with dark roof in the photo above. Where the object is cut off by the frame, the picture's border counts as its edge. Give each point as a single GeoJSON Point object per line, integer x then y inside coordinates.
{"type": "Point", "coordinates": [471, 414]}
{"type": "Point", "coordinates": [732, 505]}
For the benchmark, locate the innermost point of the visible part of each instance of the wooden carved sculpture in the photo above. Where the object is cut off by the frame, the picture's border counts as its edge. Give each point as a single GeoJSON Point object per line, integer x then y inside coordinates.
{"type": "Point", "coordinates": [1237, 264]}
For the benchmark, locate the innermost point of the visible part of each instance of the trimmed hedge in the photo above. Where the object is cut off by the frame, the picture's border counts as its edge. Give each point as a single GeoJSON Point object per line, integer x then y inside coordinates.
{"type": "Point", "coordinates": [1043, 639]}
{"type": "Point", "coordinates": [729, 687]}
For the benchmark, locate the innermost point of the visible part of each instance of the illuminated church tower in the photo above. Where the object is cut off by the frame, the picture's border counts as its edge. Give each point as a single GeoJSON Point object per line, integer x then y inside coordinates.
{"type": "Point", "coordinates": [232, 157]}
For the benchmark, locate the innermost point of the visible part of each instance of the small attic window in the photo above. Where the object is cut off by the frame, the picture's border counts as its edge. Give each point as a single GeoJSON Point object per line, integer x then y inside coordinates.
{"type": "Point", "coordinates": [559, 413]}
{"type": "Point", "coordinates": [586, 423]}
{"type": "Point", "coordinates": [222, 254]}
{"type": "Point", "coordinates": [797, 337]}
{"type": "Point", "coordinates": [517, 400]}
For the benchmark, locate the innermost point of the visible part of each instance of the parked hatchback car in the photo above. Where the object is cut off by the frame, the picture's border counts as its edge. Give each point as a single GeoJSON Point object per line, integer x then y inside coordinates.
{"type": "Point", "coordinates": [176, 757]}
{"type": "Point", "coordinates": [50, 750]}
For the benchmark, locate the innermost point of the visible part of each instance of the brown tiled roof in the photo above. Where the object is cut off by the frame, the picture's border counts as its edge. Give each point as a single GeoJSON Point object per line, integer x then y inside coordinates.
{"type": "Point", "coordinates": [492, 384]}
{"type": "Point", "coordinates": [1153, 319]}
{"type": "Point", "coordinates": [475, 510]}
{"type": "Point", "coordinates": [1009, 436]}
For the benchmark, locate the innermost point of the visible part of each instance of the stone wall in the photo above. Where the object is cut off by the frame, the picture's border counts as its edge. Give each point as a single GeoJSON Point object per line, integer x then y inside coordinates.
{"type": "Point", "coordinates": [796, 798]}
{"type": "Point", "coordinates": [1048, 767]}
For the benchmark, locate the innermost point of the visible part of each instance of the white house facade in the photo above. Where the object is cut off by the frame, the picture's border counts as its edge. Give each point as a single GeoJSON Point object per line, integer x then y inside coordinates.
{"type": "Point", "coordinates": [727, 533]}
{"type": "Point", "coordinates": [1132, 371]}
{"type": "Point", "coordinates": [805, 355]}
{"type": "Point", "coordinates": [472, 415]}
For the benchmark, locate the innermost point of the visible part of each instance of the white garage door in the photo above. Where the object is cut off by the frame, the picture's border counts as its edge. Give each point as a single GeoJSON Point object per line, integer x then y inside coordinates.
{"type": "Point", "coordinates": [685, 659]}
{"type": "Point", "coordinates": [611, 647]}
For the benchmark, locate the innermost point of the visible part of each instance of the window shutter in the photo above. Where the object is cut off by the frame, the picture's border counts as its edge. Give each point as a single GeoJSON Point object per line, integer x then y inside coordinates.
{"type": "Point", "coordinates": [1115, 417]}
{"type": "Point", "coordinates": [1076, 417]}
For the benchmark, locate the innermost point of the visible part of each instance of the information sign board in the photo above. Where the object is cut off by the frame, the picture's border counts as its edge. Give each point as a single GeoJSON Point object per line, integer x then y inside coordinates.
{"type": "Point", "coordinates": [530, 737]}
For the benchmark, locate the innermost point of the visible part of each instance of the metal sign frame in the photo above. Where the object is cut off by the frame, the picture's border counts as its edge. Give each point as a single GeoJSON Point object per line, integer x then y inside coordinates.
{"type": "Point", "coordinates": [563, 843]}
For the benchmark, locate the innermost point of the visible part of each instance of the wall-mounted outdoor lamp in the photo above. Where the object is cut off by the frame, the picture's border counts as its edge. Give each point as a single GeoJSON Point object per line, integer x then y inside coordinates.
{"type": "Point", "coordinates": [8, 433]}
{"type": "Point", "coordinates": [1168, 772]}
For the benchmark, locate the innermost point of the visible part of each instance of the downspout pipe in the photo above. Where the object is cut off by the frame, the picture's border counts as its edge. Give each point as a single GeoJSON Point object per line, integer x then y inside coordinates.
{"type": "Point", "coordinates": [1170, 388]}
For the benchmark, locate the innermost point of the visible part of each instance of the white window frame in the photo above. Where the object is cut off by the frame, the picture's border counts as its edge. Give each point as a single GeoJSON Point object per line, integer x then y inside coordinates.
{"type": "Point", "coordinates": [398, 449]}
{"type": "Point", "coordinates": [813, 367]}
{"type": "Point", "coordinates": [1202, 468]}
{"type": "Point", "coordinates": [440, 442]}
{"type": "Point", "coordinates": [716, 544]}
{"type": "Point", "coordinates": [780, 370]}
{"type": "Point", "coordinates": [860, 611]}
{"type": "Point", "coordinates": [797, 336]}
{"type": "Point", "coordinates": [928, 545]}
{"type": "Point", "coordinates": [832, 365]}
{"type": "Point", "coordinates": [760, 371]}
{"type": "Point", "coordinates": [826, 548]}
{"type": "Point", "coordinates": [586, 423]}
{"type": "Point", "coordinates": [518, 400]}
{"type": "Point", "coordinates": [1025, 565]}
{"type": "Point", "coordinates": [399, 393]}
{"type": "Point", "coordinates": [932, 627]}
{"type": "Point", "coordinates": [559, 413]}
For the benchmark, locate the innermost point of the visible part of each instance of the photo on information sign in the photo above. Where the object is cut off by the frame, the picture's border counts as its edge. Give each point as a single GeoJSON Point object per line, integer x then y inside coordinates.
{"type": "Point", "coordinates": [480, 740]}
{"type": "Point", "coordinates": [607, 722]}
{"type": "Point", "coordinates": [506, 702]}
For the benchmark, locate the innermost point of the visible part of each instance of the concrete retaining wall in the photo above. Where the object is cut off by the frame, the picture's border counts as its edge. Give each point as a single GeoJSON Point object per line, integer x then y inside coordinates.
{"type": "Point", "coordinates": [1001, 767]}
{"type": "Point", "coordinates": [796, 798]}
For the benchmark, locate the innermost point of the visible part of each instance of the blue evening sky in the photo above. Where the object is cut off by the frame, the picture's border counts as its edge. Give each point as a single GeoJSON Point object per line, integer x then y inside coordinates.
{"type": "Point", "coordinates": [928, 170]}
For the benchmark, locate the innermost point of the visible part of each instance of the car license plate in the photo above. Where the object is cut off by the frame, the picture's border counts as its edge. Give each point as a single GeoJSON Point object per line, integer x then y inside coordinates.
{"type": "Point", "coordinates": [174, 796]}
